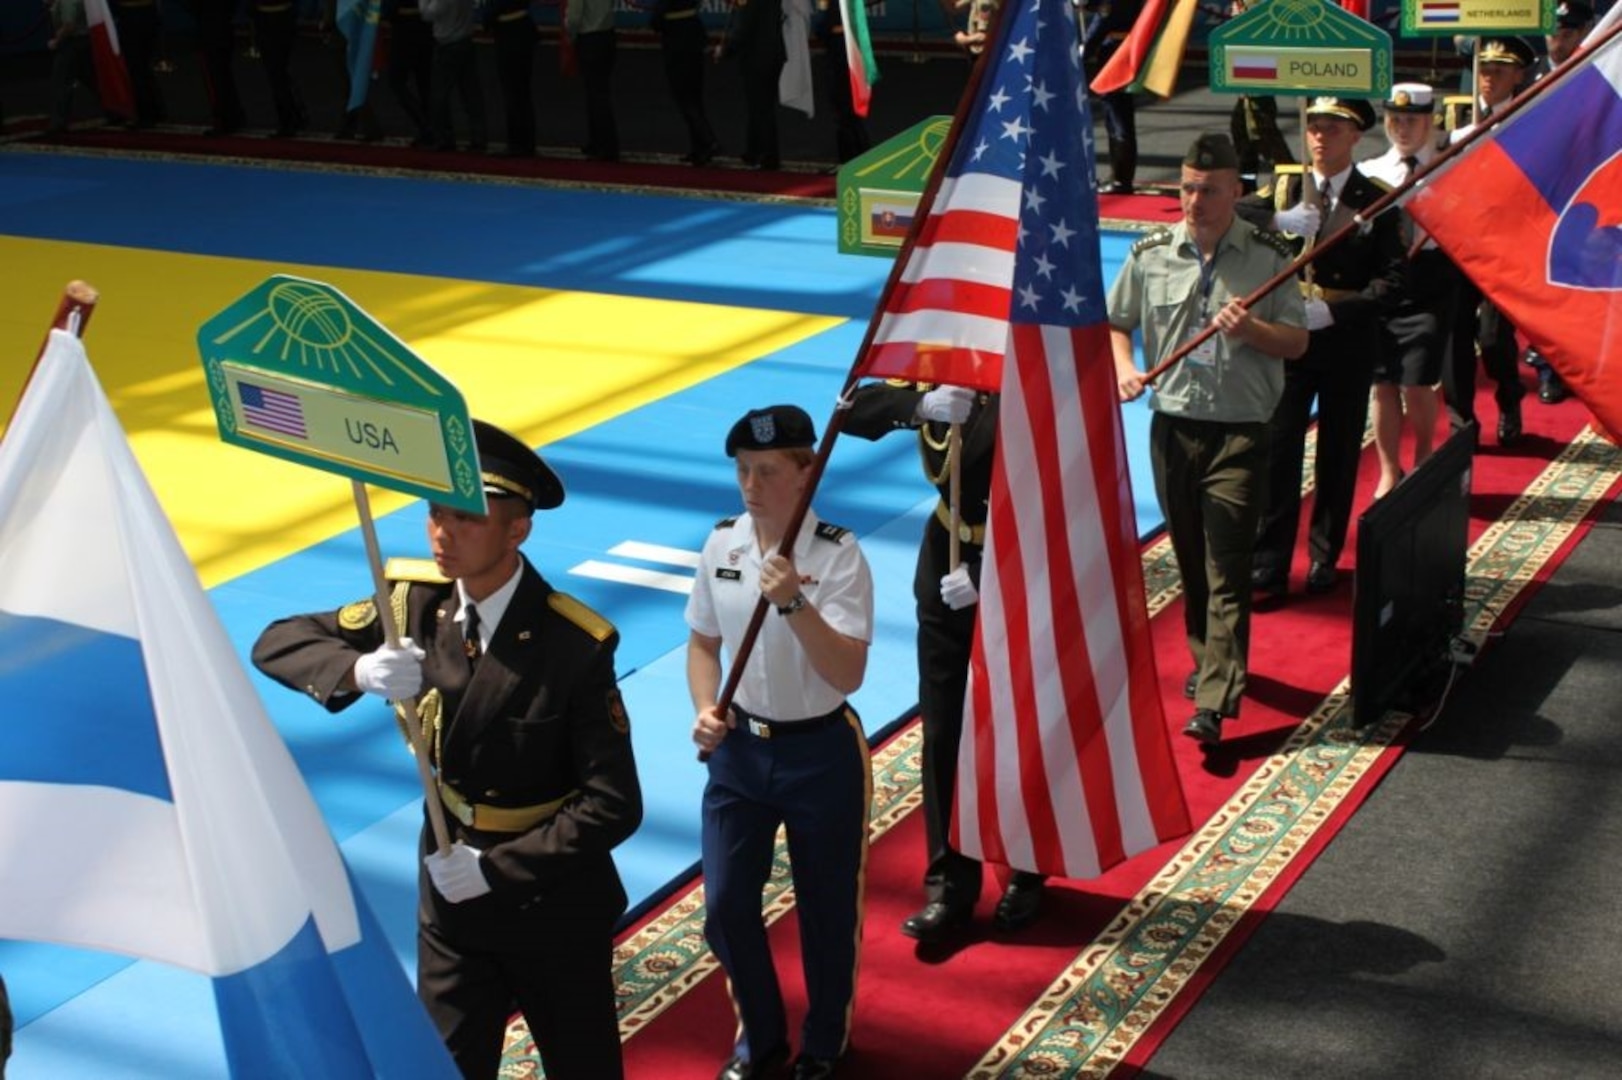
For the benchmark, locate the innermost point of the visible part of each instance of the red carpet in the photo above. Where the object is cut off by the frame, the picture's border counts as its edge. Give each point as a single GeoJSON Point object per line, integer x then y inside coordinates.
{"type": "Point", "coordinates": [928, 1013]}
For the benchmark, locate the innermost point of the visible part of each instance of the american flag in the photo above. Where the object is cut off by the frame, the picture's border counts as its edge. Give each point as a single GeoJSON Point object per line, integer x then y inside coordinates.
{"type": "Point", "coordinates": [272, 410]}
{"type": "Point", "coordinates": [1065, 765]}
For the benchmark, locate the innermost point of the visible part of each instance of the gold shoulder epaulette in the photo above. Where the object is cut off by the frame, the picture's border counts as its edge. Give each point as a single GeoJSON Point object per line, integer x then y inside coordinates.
{"type": "Point", "coordinates": [1152, 239]}
{"type": "Point", "coordinates": [827, 530]}
{"type": "Point", "coordinates": [424, 571]}
{"type": "Point", "coordinates": [726, 523]}
{"type": "Point", "coordinates": [900, 383]}
{"type": "Point", "coordinates": [1275, 240]}
{"type": "Point", "coordinates": [581, 615]}
{"type": "Point", "coordinates": [1381, 185]}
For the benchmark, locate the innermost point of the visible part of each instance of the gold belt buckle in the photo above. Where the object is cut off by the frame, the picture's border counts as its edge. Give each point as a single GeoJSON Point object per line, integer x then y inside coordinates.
{"type": "Point", "coordinates": [1311, 290]}
{"type": "Point", "coordinates": [965, 532]}
{"type": "Point", "coordinates": [758, 729]}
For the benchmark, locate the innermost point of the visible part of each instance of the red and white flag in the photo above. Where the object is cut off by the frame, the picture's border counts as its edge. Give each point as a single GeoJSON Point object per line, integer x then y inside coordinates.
{"type": "Point", "coordinates": [112, 77]}
{"type": "Point", "coordinates": [1065, 765]}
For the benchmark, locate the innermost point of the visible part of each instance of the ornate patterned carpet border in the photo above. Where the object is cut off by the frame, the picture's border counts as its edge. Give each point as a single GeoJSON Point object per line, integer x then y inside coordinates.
{"type": "Point", "coordinates": [1088, 1019]}
{"type": "Point", "coordinates": [1095, 1012]}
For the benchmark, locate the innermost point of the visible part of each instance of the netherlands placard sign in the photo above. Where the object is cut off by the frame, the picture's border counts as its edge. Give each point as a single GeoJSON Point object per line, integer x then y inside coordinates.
{"type": "Point", "coordinates": [1422, 18]}
{"type": "Point", "coordinates": [1300, 46]}
{"type": "Point", "coordinates": [297, 371]}
{"type": "Point", "coordinates": [878, 192]}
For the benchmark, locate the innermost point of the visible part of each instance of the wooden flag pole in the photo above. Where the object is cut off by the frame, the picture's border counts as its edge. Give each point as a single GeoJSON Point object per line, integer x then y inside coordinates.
{"type": "Point", "coordinates": [408, 706]}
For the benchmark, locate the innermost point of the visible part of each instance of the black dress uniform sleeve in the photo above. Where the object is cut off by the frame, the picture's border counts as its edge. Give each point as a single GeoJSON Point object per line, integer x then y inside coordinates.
{"type": "Point", "coordinates": [878, 408]}
{"type": "Point", "coordinates": [313, 653]}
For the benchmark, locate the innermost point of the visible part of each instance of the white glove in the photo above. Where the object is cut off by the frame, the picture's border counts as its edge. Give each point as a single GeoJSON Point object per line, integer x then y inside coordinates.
{"type": "Point", "coordinates": [1302, 219]}
{"type": "Point", "coordinates": [1318, 315]}
{"type": "Point", "coordinates": [957, 591]}
{"type": "Point", "coordinates": [392, 673]}
{"type": "Point", "coordinates": [948, 404]}
{"type": "Point", "coordinates": [456, 873]}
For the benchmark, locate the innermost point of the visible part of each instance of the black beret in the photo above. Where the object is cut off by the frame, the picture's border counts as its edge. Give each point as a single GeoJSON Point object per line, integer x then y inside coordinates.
{"type": "Point", "coordinates": [1211, 151]}
{"type": "Point", "coordinates": [511, 470]}
{"type": "Point", "coordinates": [776, 427]}
{"type": "Point", "coordinates": [1356, 110]}
{"type": "Point", "coordinates": [1573, 15]}
{"type": "Point", "coordinates": [1509, 49]}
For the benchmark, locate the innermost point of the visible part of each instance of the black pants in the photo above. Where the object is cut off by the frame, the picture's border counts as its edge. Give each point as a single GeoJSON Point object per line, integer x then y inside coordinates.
{"type": "Point", "coordinates": [1336, 372]}
{"type": "Point", "coordinates": [1477, 322]}
{"type": "Point", "coordinates": [596, 51]}
{"type": "Point", "coordinates": [273, 33]}
{"type": "Point", "coordinates": [216, 38]}
{"type": "Point", "coordinates": [760, 79]}
{"type": "Point", "coordinates": [515, 68]}
{"type": "Point", "coordinates": [138, 39]}
{"type": "Point", "coordinates": [945, 639]}
{"type": "Point", "coordinates": [410, 69]}
{"type": "Point", "coordinates": [684, 58]}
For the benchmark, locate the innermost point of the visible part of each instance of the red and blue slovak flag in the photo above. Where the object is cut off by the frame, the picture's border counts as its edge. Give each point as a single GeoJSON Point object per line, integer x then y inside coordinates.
{"type": "Point", "coordinates": [1065, 765]}
{"type": "Point", "coordinates": [1533, 213]}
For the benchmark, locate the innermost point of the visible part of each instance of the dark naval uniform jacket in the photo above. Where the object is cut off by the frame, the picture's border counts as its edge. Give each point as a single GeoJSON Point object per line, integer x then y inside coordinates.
{"type": "Point", "coordinates": [1361, 279]}
{"type": "Point", "coordinates": [532, 749]}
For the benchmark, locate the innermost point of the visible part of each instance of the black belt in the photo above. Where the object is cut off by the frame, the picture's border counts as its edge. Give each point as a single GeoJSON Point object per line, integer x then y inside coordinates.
{"type": "Point", "coordinates": [763, 728]}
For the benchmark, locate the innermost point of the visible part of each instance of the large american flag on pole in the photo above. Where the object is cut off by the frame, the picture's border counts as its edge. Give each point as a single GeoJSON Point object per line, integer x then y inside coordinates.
{"type": "Point", "coordinates": [1065, 765]}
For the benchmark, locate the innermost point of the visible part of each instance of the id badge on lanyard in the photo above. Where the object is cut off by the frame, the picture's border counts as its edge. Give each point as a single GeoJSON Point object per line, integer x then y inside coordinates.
{"type": "Point", "coordinates": [1205, 354]}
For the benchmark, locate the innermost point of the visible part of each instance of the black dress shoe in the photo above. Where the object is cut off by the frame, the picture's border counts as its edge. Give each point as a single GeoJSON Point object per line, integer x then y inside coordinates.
{"type": "Point", "coordinates": [1553, 392]}
{"type": "Point", "coordinates": [934, 920]}
{"type": "Point", "coordinates": [1205, 727]}
{"type": "Point", "coordinates": [1020, 902]}
{"type": "Point", "coordinates": [1116, 187]}
{"type": "Point", "coordinates": [807, 1067]}
{"type": "Point", "coordinates": [1509, 426]}
{"type": "Point", "coordinates": [742, 1068]}
{"type": "Point", "coordinates": [1191, 685]}
{"type": "Point", "coordinates": [1322, 577]}
{"type": "Point", "coordinates": [1270, 583]}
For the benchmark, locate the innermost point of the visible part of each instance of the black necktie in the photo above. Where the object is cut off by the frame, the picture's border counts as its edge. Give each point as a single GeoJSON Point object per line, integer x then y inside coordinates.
{"type": "Point", "coordinates": [1326, 199]}
{"type": "Point", "coordinates": [1409, 164]}
{"type": "Point", "coordinates": [470, 633]}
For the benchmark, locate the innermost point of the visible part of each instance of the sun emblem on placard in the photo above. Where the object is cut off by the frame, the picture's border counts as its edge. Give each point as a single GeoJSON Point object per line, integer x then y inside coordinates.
{"type": "Point", "coordinates": [307, 327]}
{"type": "Point", "coordinates": [1291, 20]}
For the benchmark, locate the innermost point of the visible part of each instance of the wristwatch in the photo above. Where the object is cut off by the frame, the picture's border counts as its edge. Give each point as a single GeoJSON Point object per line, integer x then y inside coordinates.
{"type": "Point", "coordinates": [793, 605]}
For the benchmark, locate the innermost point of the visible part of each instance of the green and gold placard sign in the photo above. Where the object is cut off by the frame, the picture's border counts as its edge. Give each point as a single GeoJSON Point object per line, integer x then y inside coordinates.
{"type": "Point", "coordinates": [297, 371]}
{"type": "Point", "coordinates": [1295, 46]}
{"type": "Point", "coordinates": [1422, 18]}
{"type": "Point", "coordinates": [878, 192]}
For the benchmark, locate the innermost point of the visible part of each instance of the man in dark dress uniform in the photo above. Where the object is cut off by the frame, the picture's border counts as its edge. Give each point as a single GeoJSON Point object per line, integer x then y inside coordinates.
{"type": "Point", "coordinates": [513, 31]}
{"type": "Point", "coordinates": [947, 608]}
{"type": "Point", "coordinates": [754, 37]}
{"type": "Point", "coordinates": [684, 48]}
{"type": "Point", "coordinates": [531, 750]}
{"type": "Point", "coordinates": [275, 29]}
{"type": "Point", "coordinates": [138, 25]}
{"type": "Point", "coordinates": [1501, 66]}
{"type": "Point", "coordinates": [1351, 288]}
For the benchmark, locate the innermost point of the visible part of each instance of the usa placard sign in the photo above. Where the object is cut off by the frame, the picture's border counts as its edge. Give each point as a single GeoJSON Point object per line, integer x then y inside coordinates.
{"type": "Point", "coordinates": [297, 371]}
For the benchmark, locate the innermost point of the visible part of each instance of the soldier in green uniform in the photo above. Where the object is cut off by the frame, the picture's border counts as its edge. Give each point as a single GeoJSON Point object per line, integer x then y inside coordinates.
{"type": "Point", "coordinates": [530, 748]}
{"type": "Point", "coordinates": [1208, 437]}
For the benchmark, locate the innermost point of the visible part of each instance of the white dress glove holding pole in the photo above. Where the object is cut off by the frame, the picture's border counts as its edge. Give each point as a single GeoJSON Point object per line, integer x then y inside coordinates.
{"type": "Point", "coordinates": [391, 672]}
{"type": "Point", "coordinates": [947, 404]}
{"type": "Point", "coordinates": [1302, 219]}
{"type": "Point", "coordinates": [456, 873]}
{"type": "Point", "coordinates": [1319, 315]}
{"type": "Point", "coordinates": [957, 591]}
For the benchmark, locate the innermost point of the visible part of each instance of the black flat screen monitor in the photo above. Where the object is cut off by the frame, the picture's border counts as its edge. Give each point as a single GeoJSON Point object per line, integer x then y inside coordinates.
{"type": "Point", "coordinates": [1408, 606]}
